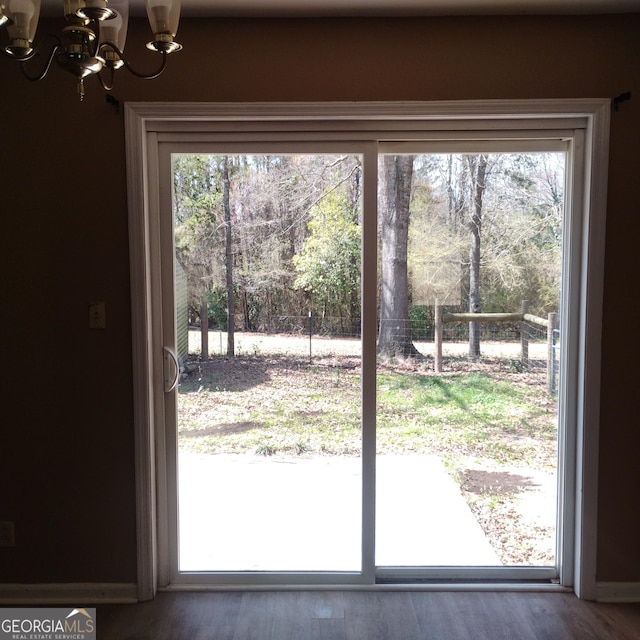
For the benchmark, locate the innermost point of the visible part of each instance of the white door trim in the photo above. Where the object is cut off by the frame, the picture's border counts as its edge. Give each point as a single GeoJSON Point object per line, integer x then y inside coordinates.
{"type": "Point", "coordinates": [146, 123]}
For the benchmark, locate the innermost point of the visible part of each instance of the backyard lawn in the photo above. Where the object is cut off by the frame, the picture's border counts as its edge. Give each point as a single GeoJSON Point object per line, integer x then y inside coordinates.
{"type": "Point", "coordinates": [492, 424]}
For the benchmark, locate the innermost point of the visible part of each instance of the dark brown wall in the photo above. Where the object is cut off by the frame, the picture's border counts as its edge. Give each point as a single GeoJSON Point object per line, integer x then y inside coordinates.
{"type": "Point", "coordinates": [66, 449]}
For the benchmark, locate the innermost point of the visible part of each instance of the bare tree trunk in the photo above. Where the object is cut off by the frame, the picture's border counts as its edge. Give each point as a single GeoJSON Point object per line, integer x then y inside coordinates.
{"type": "Point", "coordinates": [477, 169]}
{"type": "Point", "coordinates": [246, 320]}
{"type": "Point", "coordinates": [204, 328]}
{"type": "Point", "coordinates": [394, 338]}
{"type": "Point", "coordinates": [458, 206]}
{"type": "Point", "coordinates": [231, 318]}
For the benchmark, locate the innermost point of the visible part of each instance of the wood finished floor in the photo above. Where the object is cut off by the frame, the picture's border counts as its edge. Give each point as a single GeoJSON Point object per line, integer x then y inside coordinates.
{"type": "Point", "coordinates": [368, 615]}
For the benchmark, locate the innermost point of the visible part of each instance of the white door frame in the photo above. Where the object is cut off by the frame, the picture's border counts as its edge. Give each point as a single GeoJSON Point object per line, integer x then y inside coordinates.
{"type": "Point", "coordinates": [147, 124]}
{"type": "Point", "coordinates": [170, 525]}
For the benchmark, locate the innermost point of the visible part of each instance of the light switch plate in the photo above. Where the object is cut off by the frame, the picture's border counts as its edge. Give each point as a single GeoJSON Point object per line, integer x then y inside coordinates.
{"type": "Point", "coordinates": [97, 315]}
{"type": "Point", "coordinates": [7, 534]}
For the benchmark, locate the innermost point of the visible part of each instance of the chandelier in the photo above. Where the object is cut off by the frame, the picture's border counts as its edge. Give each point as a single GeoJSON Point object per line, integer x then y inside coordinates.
{"type": "Point", "coordinates": [92, 41]}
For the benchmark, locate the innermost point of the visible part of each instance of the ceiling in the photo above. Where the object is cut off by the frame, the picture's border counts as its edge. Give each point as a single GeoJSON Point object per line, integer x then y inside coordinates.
{"type": "Point", "coordinates": [377, 8]}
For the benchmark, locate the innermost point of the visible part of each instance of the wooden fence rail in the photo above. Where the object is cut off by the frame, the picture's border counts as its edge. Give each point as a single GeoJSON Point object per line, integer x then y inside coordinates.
{"type": "Point", "coordinates": [524, 317]}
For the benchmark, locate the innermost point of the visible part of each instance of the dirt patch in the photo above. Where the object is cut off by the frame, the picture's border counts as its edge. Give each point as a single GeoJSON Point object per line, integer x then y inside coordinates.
{"type": "Point", "coordinates": [222, 429]}
{"type": "Point", "coordinates": [500, 482]}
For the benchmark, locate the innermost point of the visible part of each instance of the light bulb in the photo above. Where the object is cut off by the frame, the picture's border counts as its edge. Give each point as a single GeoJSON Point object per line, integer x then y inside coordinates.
{"type": "Point", "coordinates": [115, 30]}
{"type": "Point", "coordinates": [24, 14]}
{"type": "Point", "coordinates": [164, 16]}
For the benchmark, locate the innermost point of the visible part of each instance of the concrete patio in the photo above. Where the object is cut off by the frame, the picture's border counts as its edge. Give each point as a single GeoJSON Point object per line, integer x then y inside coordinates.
{"type": "Point", "coordinates": [248, 513]}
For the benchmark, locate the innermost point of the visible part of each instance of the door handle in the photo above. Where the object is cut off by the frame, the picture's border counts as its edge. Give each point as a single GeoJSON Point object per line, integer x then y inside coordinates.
{"type": "Point", "coordinates": [170, 381]}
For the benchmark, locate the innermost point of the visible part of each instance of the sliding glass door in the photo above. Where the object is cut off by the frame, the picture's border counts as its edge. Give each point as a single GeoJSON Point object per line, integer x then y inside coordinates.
{"type": "Point", "coordinates": [267, 270]}
{"type": "Point", "coordinates": [364, 345]}
{"type": "Point", "coordinates": [264, 334]}
{"type": "Point", "coordinates": [467, 370]}
{"type": "Point", "coordinates": [266, 330]}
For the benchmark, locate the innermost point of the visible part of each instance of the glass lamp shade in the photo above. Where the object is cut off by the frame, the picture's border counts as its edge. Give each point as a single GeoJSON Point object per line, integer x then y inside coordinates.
{"type": "Point", "coordinates": [164, 16]}
{"type": "Point", "coordinates": [115, 29]}
{"type": "Point", "coordinates": [24, 14]}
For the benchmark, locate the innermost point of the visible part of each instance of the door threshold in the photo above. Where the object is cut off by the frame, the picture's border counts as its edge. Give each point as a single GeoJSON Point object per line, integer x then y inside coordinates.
{"type": "Point", "coordinates": [532, 586]}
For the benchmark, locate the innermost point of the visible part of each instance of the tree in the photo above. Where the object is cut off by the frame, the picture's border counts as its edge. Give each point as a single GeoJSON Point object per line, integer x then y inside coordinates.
{"type": "Point", "coordinates": [394, 337]}
{"type": "Point", "coordinates": [477, 168]}
{"type": "Point", "coordinates": [523, 233]}
{"type": "Point", "coordinates": [328, 265]}
{"type": "Point", "coordinates": [465, 179]}
{"type": "Point", "coordinates": [196, 207]}
{"type": "Point", "coordinates": [228, 244]}
{"type": "Point", "coordinates": [435, 246]}
{"type": "Point", "coordinates": [273, 198]}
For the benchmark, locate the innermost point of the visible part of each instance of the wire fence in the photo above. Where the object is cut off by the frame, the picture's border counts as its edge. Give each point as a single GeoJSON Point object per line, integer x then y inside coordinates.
{"type": "Point", "coordinates": [310, 336]}
{"type": "Point", "coordinates": [418, 330]}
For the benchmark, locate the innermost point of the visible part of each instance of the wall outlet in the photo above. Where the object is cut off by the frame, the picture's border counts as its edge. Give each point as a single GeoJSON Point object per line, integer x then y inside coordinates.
{"type": "Point", "coordinates": [7, 534]}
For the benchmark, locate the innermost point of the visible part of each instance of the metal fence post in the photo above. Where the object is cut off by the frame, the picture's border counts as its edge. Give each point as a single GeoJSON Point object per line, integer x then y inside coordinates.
{"type": "Point", "coordinates": [438, 337]}
{"type": "Point", "coordinates": [553, 320]}
{"type": "Point", "coordinates": [310, 332]}
{"type": "Point", "coordinates": [524, 335]}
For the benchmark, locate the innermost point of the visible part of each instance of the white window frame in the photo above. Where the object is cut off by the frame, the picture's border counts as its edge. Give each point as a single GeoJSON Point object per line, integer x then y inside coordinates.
{"type": "Point", "coordinates": [584, 122]}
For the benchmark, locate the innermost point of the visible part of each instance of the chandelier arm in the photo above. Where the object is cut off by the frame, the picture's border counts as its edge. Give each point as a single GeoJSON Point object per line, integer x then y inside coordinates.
{"type": "Point", "coordinates": [45, 69]}
{"type": "Point", "coordinates": [107, 86]}
{"type": "Point", "coordinates": [130, 69]}
{"type": "Point", "coordinates": [32, 52]}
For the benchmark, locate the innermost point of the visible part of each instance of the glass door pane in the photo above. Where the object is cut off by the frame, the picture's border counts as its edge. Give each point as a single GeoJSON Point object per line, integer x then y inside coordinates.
{"type": "Point", "coordinates": [467, 419]}
{"type": "Point", "coordinates": [267, 272]}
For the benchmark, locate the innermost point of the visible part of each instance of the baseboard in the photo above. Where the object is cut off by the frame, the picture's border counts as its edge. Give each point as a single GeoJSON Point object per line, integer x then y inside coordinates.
{"type": "Point", "coordinates": [68, 593]}
{"type": "Point", "coordinates": [618, 591]}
